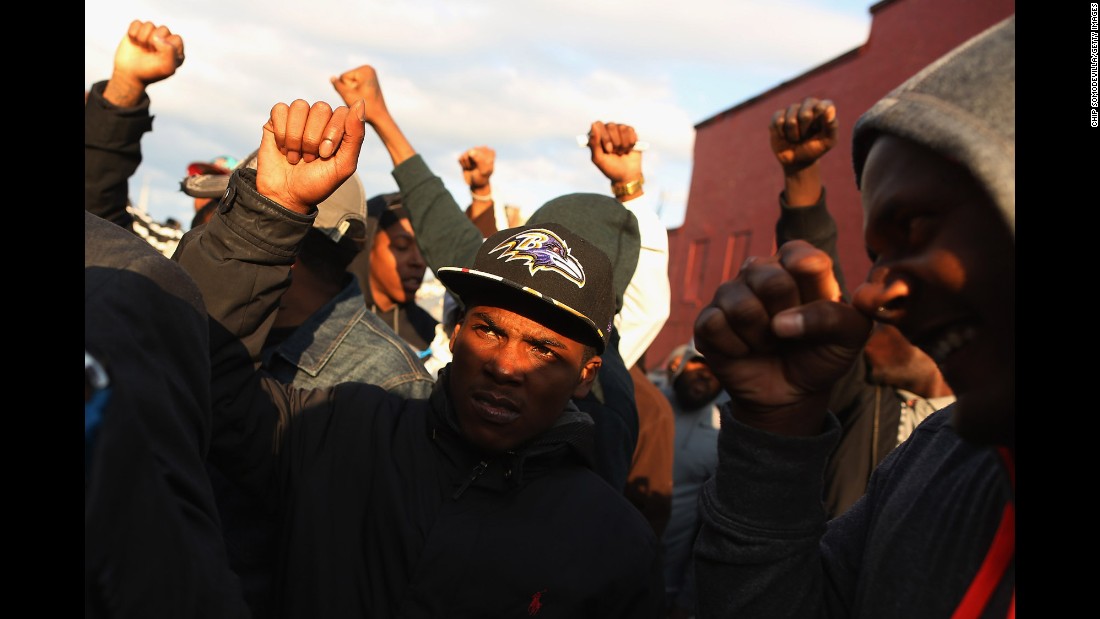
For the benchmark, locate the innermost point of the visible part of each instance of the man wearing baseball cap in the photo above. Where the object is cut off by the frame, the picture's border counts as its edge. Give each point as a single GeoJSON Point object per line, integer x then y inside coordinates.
{"type": "Point", "coordinates": [477, 501]}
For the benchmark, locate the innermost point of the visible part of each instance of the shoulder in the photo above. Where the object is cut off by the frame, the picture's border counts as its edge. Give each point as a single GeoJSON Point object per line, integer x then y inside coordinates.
{"type": "Point", "coordinates": [935, 455]}
{"type": "Point", "coordinates": [116, 259]}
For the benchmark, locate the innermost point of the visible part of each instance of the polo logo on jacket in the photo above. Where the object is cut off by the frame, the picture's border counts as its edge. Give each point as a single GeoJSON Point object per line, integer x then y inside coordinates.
{"type": "Point", "coordinates": [536, 603]}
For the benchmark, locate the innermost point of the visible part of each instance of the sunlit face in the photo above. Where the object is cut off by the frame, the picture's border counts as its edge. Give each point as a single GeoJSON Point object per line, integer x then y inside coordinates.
{"type": "Point", "coordinates": [696, 385]}
{"type": "Point", "coordinates": [944, 273]}
{"type": "Point", "coordinates": [396, 265]}
{"type": "Point", "coordinates": [511, 377]}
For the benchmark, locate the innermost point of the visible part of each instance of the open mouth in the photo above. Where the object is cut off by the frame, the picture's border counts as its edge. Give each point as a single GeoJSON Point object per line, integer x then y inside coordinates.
{"type": "Point", "coordinates": [947, 340]}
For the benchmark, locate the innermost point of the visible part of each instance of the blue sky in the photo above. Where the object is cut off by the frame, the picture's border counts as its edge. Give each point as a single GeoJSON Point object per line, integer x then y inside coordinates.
{"type": "Point", "coordinates": [521, 77]}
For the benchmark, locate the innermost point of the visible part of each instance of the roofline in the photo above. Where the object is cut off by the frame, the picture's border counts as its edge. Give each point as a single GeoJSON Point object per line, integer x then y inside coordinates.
{"type": "Point", "coordinates": [874, 8]}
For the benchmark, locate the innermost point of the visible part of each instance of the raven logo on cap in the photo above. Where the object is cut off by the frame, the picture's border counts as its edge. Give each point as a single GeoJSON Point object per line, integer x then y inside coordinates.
{"type": "Point", "coordinates": [543, 251]}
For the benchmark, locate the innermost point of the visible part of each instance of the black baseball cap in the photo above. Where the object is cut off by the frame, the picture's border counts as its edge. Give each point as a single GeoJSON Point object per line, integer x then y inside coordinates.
{"type": "Point", "coordinates": [546, 262]}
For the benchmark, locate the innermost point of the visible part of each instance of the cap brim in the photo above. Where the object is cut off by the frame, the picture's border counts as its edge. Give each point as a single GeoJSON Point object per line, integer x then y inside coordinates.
{"type": "Point", "coordinates": [214, 185]}
{"type": "Point", "coordinates": [470, 283]}
{"type": "Point", "coordinates": [205, 185]}
{"type": "Point", "coordinates": [201, 167]}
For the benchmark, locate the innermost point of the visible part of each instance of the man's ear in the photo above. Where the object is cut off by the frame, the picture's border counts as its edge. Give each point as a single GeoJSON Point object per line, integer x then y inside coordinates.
{"type": "Point", "coordinates": [588, 376]}
{"type": "Point", "coordinates": [674, 363]}
{"type": "Point", "coordinates": [454, 336]}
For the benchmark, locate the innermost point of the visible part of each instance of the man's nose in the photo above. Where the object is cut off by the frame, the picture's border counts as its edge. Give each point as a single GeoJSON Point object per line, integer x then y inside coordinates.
{"type": "Point", "coordinates": [882, 297]}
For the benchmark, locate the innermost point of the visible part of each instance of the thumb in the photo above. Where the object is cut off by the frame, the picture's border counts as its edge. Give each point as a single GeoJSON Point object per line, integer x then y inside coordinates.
{"type": "Point", "coordinates": [267, 139]}
{"type": "Point", "coordinates": [356, 122]}
{"type": "Point", "coordinates": [354, 132]}
{"type": "Point", "coordinates": [824, 321]}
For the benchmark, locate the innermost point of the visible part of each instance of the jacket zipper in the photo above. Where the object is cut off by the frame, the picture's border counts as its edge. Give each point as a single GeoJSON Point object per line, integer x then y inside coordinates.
{"type": "Point", "coordinates": [478, 470]}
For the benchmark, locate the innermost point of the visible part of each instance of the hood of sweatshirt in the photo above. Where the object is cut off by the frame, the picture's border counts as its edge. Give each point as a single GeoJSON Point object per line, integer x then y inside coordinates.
{"type": "Point", "coordinates": [962, 106]}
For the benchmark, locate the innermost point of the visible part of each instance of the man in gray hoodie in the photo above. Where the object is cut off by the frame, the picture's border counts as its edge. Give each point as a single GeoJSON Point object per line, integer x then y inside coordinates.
{"type": "Point", "coordinates": [934, 535]}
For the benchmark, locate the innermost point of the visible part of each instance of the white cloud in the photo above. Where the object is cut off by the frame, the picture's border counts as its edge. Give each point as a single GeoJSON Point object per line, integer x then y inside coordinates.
{"type": "Point", "coordinates": [522, 77]}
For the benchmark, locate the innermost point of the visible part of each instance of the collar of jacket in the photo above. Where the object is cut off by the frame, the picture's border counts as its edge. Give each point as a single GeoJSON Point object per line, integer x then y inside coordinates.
{"type": "Point", "coordinates": [569, 441]}
{"type": "Point", "coordinates": [315, 341]}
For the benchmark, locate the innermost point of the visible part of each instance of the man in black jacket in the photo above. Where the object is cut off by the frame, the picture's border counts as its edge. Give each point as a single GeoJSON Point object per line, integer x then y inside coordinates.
{"type": "Point", "coordinates": [152, 534]}
{"type": "Point", "coordinates": [478, 501]}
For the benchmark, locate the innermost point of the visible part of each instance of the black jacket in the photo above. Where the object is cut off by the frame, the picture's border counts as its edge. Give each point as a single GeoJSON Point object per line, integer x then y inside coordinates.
{"type": "Point", "coordinates": [152, 537]}
{"type": "Point", "coordinates": [386, 510]}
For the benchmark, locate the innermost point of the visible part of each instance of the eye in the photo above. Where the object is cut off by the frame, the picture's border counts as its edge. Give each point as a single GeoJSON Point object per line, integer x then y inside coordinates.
{"type": "Point", "coordinates": [485, 330]}
{"type": "Point", "coordinates": [911, 227]}
{"type": "Point", "coordinates": [544, 352]}
{"type": "Point", "coordinates": [919, 228]}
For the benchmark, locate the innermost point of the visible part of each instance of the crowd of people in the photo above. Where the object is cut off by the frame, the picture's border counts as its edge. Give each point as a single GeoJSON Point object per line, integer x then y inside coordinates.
{"type": "Point", "coordinates": [275, 428]}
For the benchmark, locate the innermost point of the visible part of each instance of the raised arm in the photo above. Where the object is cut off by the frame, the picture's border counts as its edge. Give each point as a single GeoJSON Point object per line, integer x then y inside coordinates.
{"type": "Point", "coordinates": [241, 260]}
{"type": "Point", "coordinates": [477, 167]}
{"type": "Point", "coordinates": [800, 135]}
{"type": "Point", "coordinates": [648, 297]}
{"type": "Point", "coordinates": [778, 338]}
{"type": "Point", "coordinates": [116, 116]}
{"type": "Point", "coordinates": [445, 235]}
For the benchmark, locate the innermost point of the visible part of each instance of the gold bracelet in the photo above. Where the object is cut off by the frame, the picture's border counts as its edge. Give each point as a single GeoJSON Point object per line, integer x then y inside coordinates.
{"type": "Point", "coordinates": [622, 190]}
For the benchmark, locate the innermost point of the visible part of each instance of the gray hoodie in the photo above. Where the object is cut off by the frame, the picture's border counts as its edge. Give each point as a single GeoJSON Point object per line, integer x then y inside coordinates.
{"type": "Point", "coordinates": [962, 106]}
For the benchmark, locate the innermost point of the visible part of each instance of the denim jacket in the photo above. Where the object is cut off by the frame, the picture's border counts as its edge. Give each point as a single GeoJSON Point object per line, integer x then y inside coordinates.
{"type": "Point", "coordinates": [342, 342]}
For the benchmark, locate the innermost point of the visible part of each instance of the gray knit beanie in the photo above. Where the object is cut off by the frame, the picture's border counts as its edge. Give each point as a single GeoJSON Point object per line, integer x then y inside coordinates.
{"type": "Point", "coordinates": [604, 222]}
{"type": "Point", "coordinates": [962, 106]}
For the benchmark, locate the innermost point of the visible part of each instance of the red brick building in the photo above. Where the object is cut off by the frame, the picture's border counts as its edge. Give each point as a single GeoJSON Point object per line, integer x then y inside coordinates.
{"type": "Point", "coordinates": [735, 182]}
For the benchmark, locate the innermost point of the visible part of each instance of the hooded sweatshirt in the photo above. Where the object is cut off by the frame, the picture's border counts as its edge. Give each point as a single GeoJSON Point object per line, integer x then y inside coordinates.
{"type": "Point", "coordinates": [914, 544]}
{"type": "Point", "coordinates": [962, 106]}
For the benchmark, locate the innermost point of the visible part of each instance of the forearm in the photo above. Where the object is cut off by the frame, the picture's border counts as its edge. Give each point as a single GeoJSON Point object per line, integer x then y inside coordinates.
{"type": "Point", "coordinates": [241, 261]}
{"type": "Point", "coordinates": [395, 142]}
{"type": "Point", "coordinates": [802, 185]}
{"type": "Point", "coordinates": [758, 551]}
{"type": "Point", "coordinates": [485, 220]}
{"type": "Point", "coordinates": [812, 223]}
{"type": "Point", "coordinates": [646, 304]}
{"type": "Point", "coordinates": [124, 90]}
{"type": "Point", "coordinates": [647, 301]}
{"type": "Point", "coordinates": [482, 211]}
{"type": "Point", "coordinates": [112, 153]}
{"type": "Point", "coordinates": [445, 235]}
{"type": "Point", "coordinates": [243, 275]}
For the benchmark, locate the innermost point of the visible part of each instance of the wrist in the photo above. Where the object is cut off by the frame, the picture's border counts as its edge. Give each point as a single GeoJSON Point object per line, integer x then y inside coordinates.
{"type": "Point", "coordinates": [803, 418]}
{"type": "Point", "coordinates": [803, 188]}
{"type": "Point", "coordinates": [481, 194]}
{"type": "Point", "coordinates": [124, 90]}
{"type": "Point", "coordinates": [628, 189]}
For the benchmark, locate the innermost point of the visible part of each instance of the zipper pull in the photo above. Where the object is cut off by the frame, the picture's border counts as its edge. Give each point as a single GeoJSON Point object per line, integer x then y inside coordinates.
{"type": "Point", "coordinates": [478, 470]}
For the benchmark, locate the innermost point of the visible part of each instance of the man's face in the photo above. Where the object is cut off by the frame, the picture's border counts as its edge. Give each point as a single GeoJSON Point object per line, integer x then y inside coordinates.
{"type": "Point", "coordinates": [944, 273]}
{"type": "Point", "coordinates": [696, 385]}
{"type": "Point", "coordinates": [511, 377]}
{"type": "Point", "coordinates": [396, 266]}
